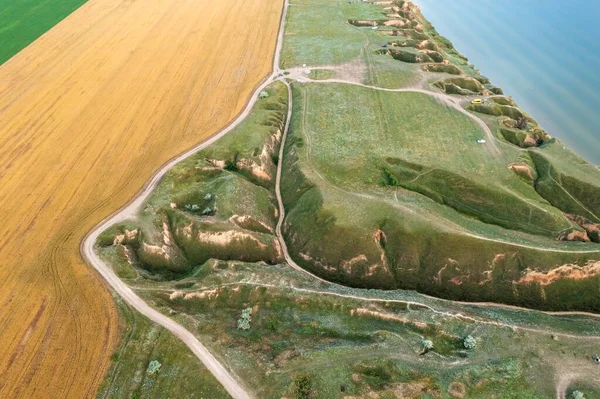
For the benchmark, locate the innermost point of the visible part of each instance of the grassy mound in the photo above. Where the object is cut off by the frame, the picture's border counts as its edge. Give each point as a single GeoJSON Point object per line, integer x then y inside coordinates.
{"type": "Point", "coordinates": [524, 139]}
{"type": "Point", "coordinates": [497, 110]}
{"type": "Point", "coordinates": [565, 191]}
{"type": "Point", "coordinates": [418, 44]}
{"type": "Point", "coordinates": [411, 34]}
{"type": "Point", "coordinates": [482, 201]}
{"type": "Point", "coordinates": [503, 101]}
{"type": "Point", "coordinates": [415, 57]}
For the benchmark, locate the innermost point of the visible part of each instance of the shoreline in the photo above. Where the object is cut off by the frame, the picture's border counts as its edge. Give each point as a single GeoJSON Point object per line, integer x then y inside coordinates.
{"type": "Point", "coordinates": [546, 114]}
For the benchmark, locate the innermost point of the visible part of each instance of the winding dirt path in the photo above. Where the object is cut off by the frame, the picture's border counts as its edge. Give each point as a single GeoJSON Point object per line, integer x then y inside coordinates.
{"type": "Point", "coordinates": [282, 242]}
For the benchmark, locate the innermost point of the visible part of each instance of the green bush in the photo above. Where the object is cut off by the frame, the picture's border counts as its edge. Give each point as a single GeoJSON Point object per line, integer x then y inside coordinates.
{"type": "Point", "coordinates": [244, 322]}
{"type": "Point", "coordinates": [303, 385]}
{"type": "Point", "coordinates": [153, 367]}
{"type": "Point", "coordinates": [469, 342]}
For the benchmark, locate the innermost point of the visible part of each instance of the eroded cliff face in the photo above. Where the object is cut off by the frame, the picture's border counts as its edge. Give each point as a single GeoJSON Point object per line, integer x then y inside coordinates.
{"type": "Point", "coordinates": [592, 229]}
{"type": "Point", "coordinates": [572, 272]}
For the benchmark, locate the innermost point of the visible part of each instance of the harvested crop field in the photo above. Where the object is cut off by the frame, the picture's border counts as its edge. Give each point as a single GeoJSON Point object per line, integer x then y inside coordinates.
{"type": "Point", "coordinates": [87, 113]}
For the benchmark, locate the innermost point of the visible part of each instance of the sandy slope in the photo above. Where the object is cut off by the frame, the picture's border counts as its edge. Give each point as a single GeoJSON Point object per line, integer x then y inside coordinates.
{"type": "Point", "coordinates": [87, 113]}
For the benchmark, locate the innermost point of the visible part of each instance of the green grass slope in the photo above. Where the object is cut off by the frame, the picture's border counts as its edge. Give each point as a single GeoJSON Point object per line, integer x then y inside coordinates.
{"type": "Point", "coordinates": [23, 21]}
{"type": "Point", "coordinates": [181, 375]}
{"type": "Point", "coordinates": [305, 337]}
{"type": "Point", "coordinates": [391, 190]}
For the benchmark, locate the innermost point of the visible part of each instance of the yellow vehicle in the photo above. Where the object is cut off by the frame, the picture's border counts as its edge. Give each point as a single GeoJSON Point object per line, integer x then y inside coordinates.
{"type": "Point", "coordinates": [477, 101]}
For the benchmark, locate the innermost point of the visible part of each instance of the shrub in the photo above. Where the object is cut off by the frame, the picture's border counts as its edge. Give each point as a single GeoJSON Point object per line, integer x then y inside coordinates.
{"type": "Point", "coordinates": [192, 207]}
{"type": "Point", "coordinates": [303, 387]}
{"type": "Point", "coordinates": [388, 178]}
{"type": "Point", "coordinates": [231, 166]}
{"type": "Point", "coordinates": [244, 322]}
{"type": "Point", "coordinates": [427, 345]}
{"type": "Point", "coordinates": [469, 342]}
{"type": "Point", "coordinates": [272, 325]}
{"type": "Point", "coordinates": [154, 367]}
{"type": "Point", "coordinates": [577, 395]}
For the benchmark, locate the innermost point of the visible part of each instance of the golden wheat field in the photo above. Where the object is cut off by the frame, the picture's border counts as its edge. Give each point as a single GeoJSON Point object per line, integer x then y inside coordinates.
{"type": "Point", "coordinates": [87, 113]}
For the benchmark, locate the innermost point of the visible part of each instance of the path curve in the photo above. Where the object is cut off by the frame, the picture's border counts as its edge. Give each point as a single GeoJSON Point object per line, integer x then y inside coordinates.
{"type": "Point", "coordinates": [282, 242]}
{"type": "Point", "coordinates": [225, 378]}
{"type": "Point", "coordinates": [294, 265]}
{"type": "Point", "coordinates": [296, 73]}
{"type": "Point", "coordinates": [125, 292]}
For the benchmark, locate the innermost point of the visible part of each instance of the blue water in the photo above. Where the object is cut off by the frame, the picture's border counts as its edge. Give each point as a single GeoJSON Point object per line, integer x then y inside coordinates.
{"type": "Point", "coordinates": [543, 53]}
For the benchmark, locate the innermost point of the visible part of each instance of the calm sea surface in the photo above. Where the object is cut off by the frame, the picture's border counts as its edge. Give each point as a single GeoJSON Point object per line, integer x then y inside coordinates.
{"type": "Point", "coordinates": [543, 53]}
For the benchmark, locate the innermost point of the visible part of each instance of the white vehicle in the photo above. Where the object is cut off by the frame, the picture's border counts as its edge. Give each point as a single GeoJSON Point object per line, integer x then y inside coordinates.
{"type": "Point", "coordinates": [481, 141]}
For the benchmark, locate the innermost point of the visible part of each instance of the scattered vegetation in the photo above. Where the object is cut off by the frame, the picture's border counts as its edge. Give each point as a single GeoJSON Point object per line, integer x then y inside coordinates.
{"type": "Point", "coordinates": [323, 346]}
{"type": "Point", "coordinates": [398, 209]}
{"type": "Point", "coordinates": [426, 346]}
{"type": "Point", "coordinates": [152, 363]}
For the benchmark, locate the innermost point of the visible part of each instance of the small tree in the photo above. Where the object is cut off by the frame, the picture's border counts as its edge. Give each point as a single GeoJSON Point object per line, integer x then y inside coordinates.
{"type": "Point", "coordinates": [303, 387]}
{"type": "Point", "coordinates": [427, 345]}
{"type": "Point", "coordinates": [263, 94]}
{"type": "Point", "coordinates": [244, 322]}
{"type": "Point", "coordinates": [469, 342]}
{"type": "Point", "coordinates": [154, 367]}
{"type": "Point", "coordinates": [577, 395]}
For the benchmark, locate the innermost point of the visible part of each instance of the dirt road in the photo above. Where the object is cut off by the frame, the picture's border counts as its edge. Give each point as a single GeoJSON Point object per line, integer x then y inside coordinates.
{"type": "Point", "coordinates": [228, 381]}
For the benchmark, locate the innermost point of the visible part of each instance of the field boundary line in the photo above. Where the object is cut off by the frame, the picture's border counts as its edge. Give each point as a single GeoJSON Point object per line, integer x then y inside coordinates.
{"type": "Point", "coordinates": [130, 208]}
